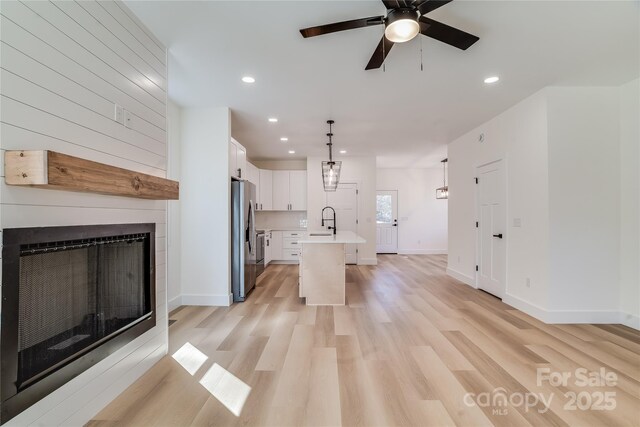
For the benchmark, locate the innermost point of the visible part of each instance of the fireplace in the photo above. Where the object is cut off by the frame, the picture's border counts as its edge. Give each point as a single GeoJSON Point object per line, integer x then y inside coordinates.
{"type": "Point", "coordinates": [70, 297]}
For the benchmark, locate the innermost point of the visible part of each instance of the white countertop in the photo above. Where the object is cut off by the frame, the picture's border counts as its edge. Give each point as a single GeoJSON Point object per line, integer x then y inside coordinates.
{"type": "Point", "coordinates": [341, 237]}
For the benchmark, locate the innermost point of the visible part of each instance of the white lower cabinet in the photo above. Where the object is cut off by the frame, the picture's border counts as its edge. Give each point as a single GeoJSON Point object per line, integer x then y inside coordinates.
{"type": "Point", "coordinates": [285, 246]}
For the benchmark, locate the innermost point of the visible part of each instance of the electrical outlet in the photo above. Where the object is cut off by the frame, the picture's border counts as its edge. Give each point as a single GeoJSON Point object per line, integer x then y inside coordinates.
{"type": "Point", "coordinates": [458, 259]}
{"type": "Point", "coordinates": [118, 114]}
{"type": "Point", "coordinates": [127, 118]}
{"type": "Point", "coordinates": [528, 282]}
{"type": "Point", "coordinates": [517, 222]}
{"type": "Point", "coordinates": [419, 241]}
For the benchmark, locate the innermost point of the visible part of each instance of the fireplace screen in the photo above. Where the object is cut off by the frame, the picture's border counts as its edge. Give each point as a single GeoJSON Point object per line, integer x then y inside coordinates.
{"type": "Point", "coordinates": [73, 295]}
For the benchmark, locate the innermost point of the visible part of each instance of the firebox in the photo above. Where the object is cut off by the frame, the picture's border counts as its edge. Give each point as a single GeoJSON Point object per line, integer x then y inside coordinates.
{"type": "Point", "coordinates": [70, 297]}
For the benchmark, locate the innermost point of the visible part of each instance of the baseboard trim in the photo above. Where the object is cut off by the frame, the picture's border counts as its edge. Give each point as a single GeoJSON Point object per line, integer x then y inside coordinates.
{"type": "Point", "coordinates": [174, 303]}
{"type": "Point", "coordinates": [572, 316]}
{"type": "Point", "coordinates": [208, 300]}
{"type": "Point", "coordinates": [630, 320]}
{"type": "Point", "coordinates": [368, 261]}
{"type": "Point", "coordinates": [467, 280]}
{"type": "Point", "coordinates": [422, 252]}
{"type": "Point", "coordinates": [526, 307]}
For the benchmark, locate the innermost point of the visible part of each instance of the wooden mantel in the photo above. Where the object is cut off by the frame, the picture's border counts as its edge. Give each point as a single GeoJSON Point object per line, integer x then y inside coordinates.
{"type": "Point", "coordinates": [49, 169]}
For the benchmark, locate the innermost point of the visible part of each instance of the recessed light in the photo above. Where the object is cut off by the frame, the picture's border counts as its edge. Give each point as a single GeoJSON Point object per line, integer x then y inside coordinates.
{"type": "Point", "coordinates": [248, 79]}
{"type": "Point", "coordinates": [284, 139]}
{"type": "Point", "coordinates": [343, 151]}
{"type": "Point", "coordinates": [292, 152]}
{"type": "Point", "coordinates": [273, 120]}
{"type": "Point", "coordinates": [491, 79]}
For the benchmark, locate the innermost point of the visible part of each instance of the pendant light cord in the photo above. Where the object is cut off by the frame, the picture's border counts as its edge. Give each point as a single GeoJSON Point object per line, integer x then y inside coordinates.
{"type": "Point", "coordinates": [330, 144]}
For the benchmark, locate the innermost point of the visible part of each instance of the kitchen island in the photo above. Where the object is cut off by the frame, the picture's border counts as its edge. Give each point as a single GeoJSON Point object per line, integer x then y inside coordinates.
{"type": "Point", "coordinates": [322, 266]}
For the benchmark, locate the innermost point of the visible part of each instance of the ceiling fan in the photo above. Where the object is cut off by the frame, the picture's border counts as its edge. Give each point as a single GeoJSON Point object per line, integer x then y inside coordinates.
{"type": "Point", "coordinates": [404, 20]}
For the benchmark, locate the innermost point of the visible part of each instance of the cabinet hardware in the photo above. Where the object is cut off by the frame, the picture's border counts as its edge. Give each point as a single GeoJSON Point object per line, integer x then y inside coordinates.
{"type": "Point", "coordinates": [499, 236]}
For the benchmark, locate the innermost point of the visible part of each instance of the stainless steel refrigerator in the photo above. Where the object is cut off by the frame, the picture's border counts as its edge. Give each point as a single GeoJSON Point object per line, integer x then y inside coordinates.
{"type": "Point", "coordinates": [243, 239]}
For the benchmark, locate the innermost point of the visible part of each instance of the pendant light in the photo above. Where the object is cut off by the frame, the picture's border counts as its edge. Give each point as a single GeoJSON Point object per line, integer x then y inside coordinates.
{"type": "Point", "coordinates": [330, 169]}
{"type": "Point", "coordinates": [443, 192]}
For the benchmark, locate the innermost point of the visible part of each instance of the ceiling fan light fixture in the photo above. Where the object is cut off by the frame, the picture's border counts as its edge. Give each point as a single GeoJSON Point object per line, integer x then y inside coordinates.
{"type": "Point", "coordinates": [401, 25]}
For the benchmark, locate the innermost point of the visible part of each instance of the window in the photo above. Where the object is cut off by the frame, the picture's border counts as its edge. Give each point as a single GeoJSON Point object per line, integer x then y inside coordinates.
{"type": "Point", "coordinates": [384, 212]}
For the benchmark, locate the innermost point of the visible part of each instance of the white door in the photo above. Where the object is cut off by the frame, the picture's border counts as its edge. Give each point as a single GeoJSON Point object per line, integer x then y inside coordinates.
{"type": "Point", "coordinates": [387, 222]}
{"type": "Point", "coordinates": [298, 190]}
{"type": "Point", "coordinates": [266, 193]}
{"type": "Point", "coordinates": [345, 201]}
{"type": "Point", "coordinates": [280, 190]}
{"type": "Point", "coordinates": [492, 228]}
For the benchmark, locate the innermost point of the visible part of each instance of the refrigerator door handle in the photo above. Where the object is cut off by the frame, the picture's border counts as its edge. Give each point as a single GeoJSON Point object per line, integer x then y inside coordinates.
{"type": "Point", "coordinates": [249, 230]}
{"type": "Point", "coordinates": [253, 231]}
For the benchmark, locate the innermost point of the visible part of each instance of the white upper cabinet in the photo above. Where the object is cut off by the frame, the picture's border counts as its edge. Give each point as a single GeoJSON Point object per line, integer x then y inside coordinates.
{"type": "Point", "coordinates": [265, 195]}
{"type": "Point", "coordinates": [233, 159]}
{"type": "Point", "coordinates": [280, 190]}
{"type": "Point", "coordinates": [253, 175]}
{"type": "Point", "coordinates": [289, 190]}
{"type": "Point", "coordinates": [237, 159]}
{"type": "Point", "coordinates": [298, 190]}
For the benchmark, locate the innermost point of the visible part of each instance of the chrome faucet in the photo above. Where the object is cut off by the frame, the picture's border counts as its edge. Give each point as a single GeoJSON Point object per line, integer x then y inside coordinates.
{"type": "Point", "coordinates": [330, 219]}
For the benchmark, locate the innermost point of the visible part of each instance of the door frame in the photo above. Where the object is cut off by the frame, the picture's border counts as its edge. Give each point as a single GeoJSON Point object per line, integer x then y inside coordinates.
{"type": "Point", "coordinates": [397, 222]}
{"type": "Point", "coordinates": [357, 184]}
{"type": "Point", "coordinates": [507, 235]}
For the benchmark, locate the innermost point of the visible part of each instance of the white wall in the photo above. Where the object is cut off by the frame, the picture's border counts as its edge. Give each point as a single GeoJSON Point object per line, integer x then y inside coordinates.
{"type": "Point", "coordinates": [422, 219]}
{"type": "Point", "coordinates": [174, 236]}
{"type": "Point", "coordinates": [360, 170]}
{"type": "Point", "coordinates": [584, 200]}
{"type": "Point", "coordinates": [60, 80]}
{"type": "Point", "coordinates": [205, 207]}
{"type": "Point", "coordinates": [519, 137]}
{"type": "Point", "coordinates": [629, 207]}
{"type": "Point", "coordinates": [567, 150]}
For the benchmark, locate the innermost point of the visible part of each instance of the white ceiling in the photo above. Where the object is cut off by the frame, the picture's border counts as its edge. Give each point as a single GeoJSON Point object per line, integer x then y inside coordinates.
{"type": "Point", "coordinates": [404, 116]}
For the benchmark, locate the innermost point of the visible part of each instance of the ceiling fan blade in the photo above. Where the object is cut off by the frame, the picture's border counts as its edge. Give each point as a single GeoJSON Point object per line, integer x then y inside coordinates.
{"type": "Point", "coordinates": [394, 4]}
{"type": "Point", "coordinates": [341, 26]}
{"type": "Point", "coordinates": [446, 34]}
{"type": "Point", "coordinates": [379, 54]}
{"type": "Point", "coordinates": [427, 6]}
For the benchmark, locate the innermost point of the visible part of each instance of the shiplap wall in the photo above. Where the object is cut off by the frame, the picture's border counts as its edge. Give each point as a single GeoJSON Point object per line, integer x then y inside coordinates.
{"type": "Point", "coordinates": [64, 66]}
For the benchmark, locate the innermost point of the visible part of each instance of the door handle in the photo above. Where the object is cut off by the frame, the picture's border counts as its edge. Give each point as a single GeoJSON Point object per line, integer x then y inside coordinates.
{"type": "Point", "coordinates": [499, 236]}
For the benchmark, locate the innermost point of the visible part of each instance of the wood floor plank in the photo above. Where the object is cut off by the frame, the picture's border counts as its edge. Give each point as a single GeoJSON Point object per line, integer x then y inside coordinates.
{"type": "Point", "coordinates": [408, 346]}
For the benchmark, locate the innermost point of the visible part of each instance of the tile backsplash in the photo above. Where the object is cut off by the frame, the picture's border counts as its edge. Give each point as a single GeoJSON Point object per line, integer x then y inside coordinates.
{"type": "Point", "coordinates": [281, 219]}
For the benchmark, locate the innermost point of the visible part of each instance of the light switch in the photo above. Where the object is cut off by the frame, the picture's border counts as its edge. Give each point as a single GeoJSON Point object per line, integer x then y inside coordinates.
{"type": "Point", "coordinates": [118, 114]}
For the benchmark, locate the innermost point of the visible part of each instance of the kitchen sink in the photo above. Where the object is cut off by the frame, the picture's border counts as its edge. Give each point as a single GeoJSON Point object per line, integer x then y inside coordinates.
{"type": "Point", "coordinates": [320, 234]}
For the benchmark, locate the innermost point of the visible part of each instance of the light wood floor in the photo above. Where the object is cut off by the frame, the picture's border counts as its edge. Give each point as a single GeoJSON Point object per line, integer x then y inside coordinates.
{"type": "Point", "coordinates": [405, 350]}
